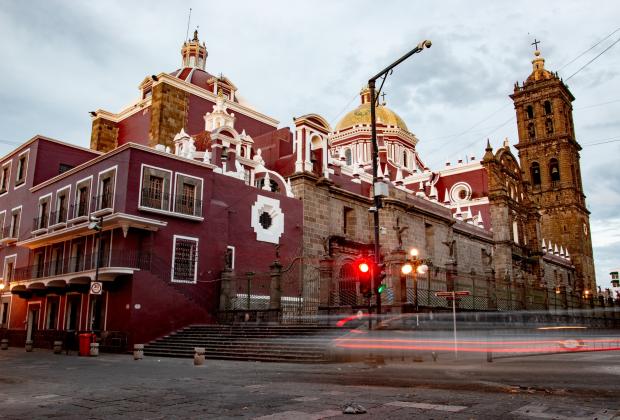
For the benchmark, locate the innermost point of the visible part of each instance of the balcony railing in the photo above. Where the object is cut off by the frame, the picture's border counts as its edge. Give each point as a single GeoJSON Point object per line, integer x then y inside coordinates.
{"type": "Point", "coordinates": [76, 264]}
{"type": "Point", "coordinates": [7, 232]}
{"type": "Point", "coordinates": [155, 199]}
{"type": "Point", "coordinates": [79, 209]}
{"type": "Point", "coordinates": [187, 204]}
{"type": "Point", "coordinates": [58, 216]}
{"type": "Point", "coordinates": [40, 222]}
{"type": "Point", "coordinates": [102, 201]}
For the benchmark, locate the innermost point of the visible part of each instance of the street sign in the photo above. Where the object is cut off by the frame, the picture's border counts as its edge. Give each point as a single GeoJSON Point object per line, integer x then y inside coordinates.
{"type": "Point", "coordinates": [95, 288]}
{"type": "Point", "coordinates": [450, 294]}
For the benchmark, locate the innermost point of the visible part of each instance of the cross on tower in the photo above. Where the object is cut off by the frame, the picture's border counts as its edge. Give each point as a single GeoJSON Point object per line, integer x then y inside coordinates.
{"type": "Point", "coordinates": [535, 43]}
{"type": "Point", "coordinates": [383, 96]}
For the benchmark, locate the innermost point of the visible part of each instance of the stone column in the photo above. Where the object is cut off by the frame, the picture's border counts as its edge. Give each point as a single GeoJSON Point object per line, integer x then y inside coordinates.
{"type": "Point", "coordinates": [227, 289]}
{"type": "Point", "coordinates": [491, 289]}
{"type": "Point", "coordinates": [326, 272]}
{"type": "Point", "coordinates": [275, 290]}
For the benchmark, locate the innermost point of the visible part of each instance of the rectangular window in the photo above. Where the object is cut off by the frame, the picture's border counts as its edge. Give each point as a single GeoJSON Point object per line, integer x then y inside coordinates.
{"type": "Point", "coordinates": [155, 189]}
{"type": "Point", "coordinates": [38, 264]}
{"type": "Point", "coordinates": [82, 204]}
{"type": "Point", "coordinates": [188, 199]}
{"type": "Point", "coordinates": [15, 220]}
{"type": "Point", "coordinates": [185, 259]}
{"type": "Point", "coordinates": [41, 221]}
{"type": "Point", "coordinates": [63, 167]}
{"type": "Point", "coordinates": [56, 261]}
{"type": "Point", "coordinates": [106, 193]}
{"type": "Point", "coordinates": [22, 169]}
{"type": "Point", "coordinates": [9, 268]}
{"type": "Point", "coordinates": [348, 221]}
{"type": "Point", "coordinates": [4, 182]}
{"type": "Point", "coordinates": [5, 314]}
{"type": "Point", "coordinates": [52, 314]}
{"type": "Point", "coordinates": [107, 180]}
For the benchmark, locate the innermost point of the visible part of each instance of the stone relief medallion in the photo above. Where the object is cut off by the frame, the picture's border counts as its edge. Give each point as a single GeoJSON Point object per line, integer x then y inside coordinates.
{"type": "Point", "coordinates": [267, 219]}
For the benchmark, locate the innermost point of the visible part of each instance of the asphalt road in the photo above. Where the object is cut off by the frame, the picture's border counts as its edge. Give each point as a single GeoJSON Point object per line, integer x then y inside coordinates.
{"type": "Point", "coordinates": [557, 386]}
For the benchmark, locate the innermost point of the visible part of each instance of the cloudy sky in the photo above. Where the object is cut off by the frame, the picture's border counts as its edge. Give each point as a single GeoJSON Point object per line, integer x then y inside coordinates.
{"type": "Point", "coordinates": [61, 59]}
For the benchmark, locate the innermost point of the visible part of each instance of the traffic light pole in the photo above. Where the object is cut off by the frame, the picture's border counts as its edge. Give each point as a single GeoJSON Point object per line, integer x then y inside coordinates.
{"type": "Point", "coordinates": [375, 164]}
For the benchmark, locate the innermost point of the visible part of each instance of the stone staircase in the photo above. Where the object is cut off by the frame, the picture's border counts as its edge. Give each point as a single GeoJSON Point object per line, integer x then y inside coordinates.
{"type": "Point", "coordinates": [267, 343]}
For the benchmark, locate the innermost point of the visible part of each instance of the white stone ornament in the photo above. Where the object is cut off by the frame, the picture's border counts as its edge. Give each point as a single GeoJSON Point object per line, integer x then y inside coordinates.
{"type": "Point", "coordinates": [267, 219]}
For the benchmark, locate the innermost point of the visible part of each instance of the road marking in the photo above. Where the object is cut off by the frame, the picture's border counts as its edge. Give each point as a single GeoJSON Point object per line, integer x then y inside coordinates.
{"type": "Point", "coordinates": [424, 406]}
{"type": "Point", "coordinates": [300, 415]}
{"type": "Point", "coordinates": [305, 399]}
{"type": "Point", "coordinates": [541, 411]}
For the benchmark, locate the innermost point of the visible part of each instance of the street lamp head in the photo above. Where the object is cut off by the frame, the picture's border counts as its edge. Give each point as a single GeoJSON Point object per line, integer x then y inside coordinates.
{"type": "Point", "coordinates": [406, 269]}
{"type": "Point", "coordinates": [424, 44]}
{"type": "Point", "coordinates": [2, 286]}
{"type": "Point", "coordinates": [422, 269]}
{"type": "Point", "coordinates": [414, 252]}
{"type": "Point", "coordinates": [94, 226]}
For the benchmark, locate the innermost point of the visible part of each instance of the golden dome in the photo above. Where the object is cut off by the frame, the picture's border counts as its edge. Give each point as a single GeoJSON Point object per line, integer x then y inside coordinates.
{"type": "Point", "coordinates": [361, 115]}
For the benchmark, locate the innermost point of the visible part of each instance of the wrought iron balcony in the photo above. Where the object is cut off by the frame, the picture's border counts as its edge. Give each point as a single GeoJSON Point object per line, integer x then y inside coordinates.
{"type": "Point", "coordinates": [111, 264]}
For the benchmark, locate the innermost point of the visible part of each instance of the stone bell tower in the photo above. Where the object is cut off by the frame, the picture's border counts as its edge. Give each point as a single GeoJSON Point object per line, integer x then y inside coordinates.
{"type": "Point", "coordinates": [549, 156]}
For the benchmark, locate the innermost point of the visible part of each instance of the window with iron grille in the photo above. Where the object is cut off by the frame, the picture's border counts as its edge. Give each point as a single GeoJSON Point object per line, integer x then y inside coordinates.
{"type": "Point", "coordinates": [155, 193]}
{"type": "Point", "coordinates": [185, 260]}
{"type": "Point", "coordinates": [188, 198]}
{"type": "Point", "coordinates": [82, 201]}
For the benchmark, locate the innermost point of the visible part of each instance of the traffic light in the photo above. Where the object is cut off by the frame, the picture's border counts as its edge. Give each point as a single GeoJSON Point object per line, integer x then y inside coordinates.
{"type": "Point", "coordinates": [363, 267]}
{"type": "Point", "coordinates": [380, 278]}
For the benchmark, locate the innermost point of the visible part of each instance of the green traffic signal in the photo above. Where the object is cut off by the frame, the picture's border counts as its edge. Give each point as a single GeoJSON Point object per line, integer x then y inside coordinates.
{"type": "Point", "coordinates": [381, 288]}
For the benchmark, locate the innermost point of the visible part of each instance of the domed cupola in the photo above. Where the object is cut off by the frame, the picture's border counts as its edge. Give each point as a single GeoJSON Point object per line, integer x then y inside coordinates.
{"type": "Point", "coordinates": [194, 53]}
{"type": "Point", "coordinates": [361, 115]}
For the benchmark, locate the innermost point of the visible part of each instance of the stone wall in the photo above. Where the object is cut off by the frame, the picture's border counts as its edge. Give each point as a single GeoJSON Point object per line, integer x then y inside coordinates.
{"type": "Point", "coordinates": [169, 114]}
{"type": "Point", "coordinates": [104, 135]}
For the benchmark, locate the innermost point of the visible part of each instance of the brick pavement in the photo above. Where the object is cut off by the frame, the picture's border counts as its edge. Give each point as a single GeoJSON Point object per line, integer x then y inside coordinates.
{"type": "Point", "coordinates": [44, 385]}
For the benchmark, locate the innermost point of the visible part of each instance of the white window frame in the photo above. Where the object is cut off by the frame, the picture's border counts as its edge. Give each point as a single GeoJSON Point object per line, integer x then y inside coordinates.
{"type": "Point", "coordinates": [198, 190]}
{"type": "Point", "coordinates": [25, 152]}
{"type": "Point", "coordinates": [8, 257]}
{"type": "Point", "coordinates": [174, 248]}
{"type": "Point", "coordinates": [19, 223]}
{"type": "Point", "coordinates": [232, 265]}
{"type": "Point", "coordinates": [76, 197]}
{"type": "Point", "coordinates": [100, 186]}
{"type": "Point", "coordinates": [3, 212]}
{"type": "Point", "coordinates": [59, 192]}
{"type": "Point", "coordinates": [8, 176]}
{"type": "Point", "coordinates": [49, 211]}
{"type": "Point", "coordinates": [170, 197]}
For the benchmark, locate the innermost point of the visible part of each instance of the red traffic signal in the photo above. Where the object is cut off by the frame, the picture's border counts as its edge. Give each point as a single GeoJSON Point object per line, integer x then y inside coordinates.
{"type": "Point", "coordinates": [363, 267]}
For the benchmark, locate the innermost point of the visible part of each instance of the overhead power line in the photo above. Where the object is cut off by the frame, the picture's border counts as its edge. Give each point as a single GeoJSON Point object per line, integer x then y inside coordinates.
{"type": "Point", "coordinates": [597, 56]}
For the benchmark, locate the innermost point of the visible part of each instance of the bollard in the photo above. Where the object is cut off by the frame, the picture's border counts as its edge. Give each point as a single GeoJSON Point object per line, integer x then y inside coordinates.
{"type": "Point", "coordinates": [489, 356]}
{"type": "Point", "coordinates": [138, 351]}
{"type": "Point", "coordinates": [434, 356]}
{"type": "Point", "coordinates": [199, 356]}
{"type": "Point", "coordinates": [94, 349]}
{"type": "Point", "coordinates": [28, 345]}
{"type": "Point", "coordinates": [57, 347]}
{"type": "Point", "coordinates": [4, 344]}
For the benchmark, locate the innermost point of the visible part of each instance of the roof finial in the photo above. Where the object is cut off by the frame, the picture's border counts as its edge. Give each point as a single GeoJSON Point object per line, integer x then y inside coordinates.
{"type": "Point", "coordinates": [189, 18]}
{"type": "Point", "coordinates": [535, 44]}
{"type": "Point", "coordinates": [196, 34]}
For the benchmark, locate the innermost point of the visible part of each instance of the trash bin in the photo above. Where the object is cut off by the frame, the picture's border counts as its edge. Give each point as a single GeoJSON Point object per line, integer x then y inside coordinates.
{"type": "Point", "coordinates": [85, 340]}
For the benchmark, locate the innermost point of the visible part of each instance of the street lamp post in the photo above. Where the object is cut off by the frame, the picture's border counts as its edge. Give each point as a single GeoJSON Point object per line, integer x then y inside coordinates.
{"type": "Point", "coordinates": [380, 188]}
{"type": "Point", "coordinates": [96, 224]}
{"type": "Point", "coordinates": [417, 266]}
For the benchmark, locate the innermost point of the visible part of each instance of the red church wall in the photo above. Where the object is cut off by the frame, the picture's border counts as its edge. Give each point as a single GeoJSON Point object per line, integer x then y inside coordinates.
{"type": "Point", "coordinates": [135, 128]}
{"type": "Point", "coordinates": [53, 155]}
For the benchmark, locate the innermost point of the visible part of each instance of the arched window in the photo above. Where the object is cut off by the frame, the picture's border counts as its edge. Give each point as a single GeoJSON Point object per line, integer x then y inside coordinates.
{"type": "Point", "coordinates": [529, 112]}
{"type": "Point", "coordinates": [549, 126]}
{"type": "Point", "coordinates": [348, 157]}
{"type": "Point", "coordinates": [548, 108]}
{"type": "Point", "coordinates": [535, 173]}
{"type": "Point", "coordinates": [405, 159]}
{"type": "Point", "coordinates": [531, 131]}
{"type": "Point", "coordinates": [554, 170]}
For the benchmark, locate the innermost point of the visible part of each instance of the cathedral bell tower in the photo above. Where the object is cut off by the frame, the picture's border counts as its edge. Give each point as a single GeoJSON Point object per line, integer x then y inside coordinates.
{"type": "Point", "coordinates": [549, 155]}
